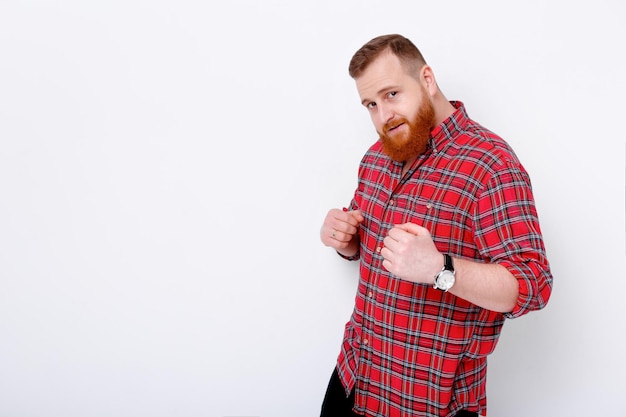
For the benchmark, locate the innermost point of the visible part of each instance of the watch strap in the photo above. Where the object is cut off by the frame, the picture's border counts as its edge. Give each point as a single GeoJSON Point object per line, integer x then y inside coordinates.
{"type": "Point", "coordinates": [447, 262]}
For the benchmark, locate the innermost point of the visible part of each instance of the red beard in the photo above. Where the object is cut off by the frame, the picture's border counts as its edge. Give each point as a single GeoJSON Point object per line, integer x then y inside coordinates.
{"type": "Point", "coordinates": [403, 146]}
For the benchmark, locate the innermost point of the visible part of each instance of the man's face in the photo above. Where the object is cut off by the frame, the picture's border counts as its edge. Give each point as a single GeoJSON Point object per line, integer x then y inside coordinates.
{"type": "Point", "coordinates": [399, 106]}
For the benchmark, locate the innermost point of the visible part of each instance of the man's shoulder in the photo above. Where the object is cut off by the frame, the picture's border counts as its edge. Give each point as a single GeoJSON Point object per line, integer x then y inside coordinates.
{"type": "Point", "coordinates": [374, 152]}
{"type": "Point", "coordinates": [477, 141]}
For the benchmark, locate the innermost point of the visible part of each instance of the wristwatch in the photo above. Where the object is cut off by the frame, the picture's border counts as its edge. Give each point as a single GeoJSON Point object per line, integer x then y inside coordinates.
{"type": "Point", "coordinates": [444, 280]}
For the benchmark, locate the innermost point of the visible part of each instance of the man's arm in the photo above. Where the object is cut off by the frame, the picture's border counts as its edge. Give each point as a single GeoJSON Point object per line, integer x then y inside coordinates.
{"type": "Point", "coordinates": [410, 254]}
{"type": "Point", "coordinates": [490, 286]}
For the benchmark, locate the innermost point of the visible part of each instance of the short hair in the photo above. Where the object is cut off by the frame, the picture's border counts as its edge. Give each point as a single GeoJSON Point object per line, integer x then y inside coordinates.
{"type": "Point", "coordinates": [398, 45]}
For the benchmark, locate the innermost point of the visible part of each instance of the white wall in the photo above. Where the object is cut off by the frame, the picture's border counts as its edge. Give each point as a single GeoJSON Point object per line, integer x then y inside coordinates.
{"type": "Point", "coordinates": [165, 167]}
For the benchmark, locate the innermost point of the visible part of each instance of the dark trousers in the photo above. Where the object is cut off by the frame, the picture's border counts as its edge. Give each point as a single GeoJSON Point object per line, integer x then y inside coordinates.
{"type": "Point", "coordinates": [337, 405]}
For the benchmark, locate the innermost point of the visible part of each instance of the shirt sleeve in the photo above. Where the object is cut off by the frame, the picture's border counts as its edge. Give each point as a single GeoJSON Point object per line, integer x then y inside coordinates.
{"type": "Point", "coordinates": [507, 232]}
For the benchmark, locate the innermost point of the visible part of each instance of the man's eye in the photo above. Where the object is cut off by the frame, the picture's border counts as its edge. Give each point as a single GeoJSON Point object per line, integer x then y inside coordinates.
{"type": "Point", "coordinates": [371, 105]}
{"type": "Point", "coordinates": [392, 94]}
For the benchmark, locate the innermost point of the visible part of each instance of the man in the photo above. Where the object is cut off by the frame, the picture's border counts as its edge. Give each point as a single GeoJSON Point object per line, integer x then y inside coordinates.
{"type": "Point", "coordinates": [445, 227]}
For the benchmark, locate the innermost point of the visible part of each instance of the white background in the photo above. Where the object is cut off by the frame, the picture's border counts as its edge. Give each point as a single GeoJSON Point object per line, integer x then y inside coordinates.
{"type": "Point", "coordinates": [165, 167]}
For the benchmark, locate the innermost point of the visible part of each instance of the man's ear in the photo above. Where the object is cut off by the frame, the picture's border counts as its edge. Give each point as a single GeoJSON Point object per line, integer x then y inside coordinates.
{"type": "Point", "coordinates": [427, 77]}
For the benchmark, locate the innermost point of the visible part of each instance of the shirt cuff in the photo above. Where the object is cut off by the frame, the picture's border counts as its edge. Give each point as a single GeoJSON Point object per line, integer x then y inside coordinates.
{"type": "Point", "coordinates": [350, 258]}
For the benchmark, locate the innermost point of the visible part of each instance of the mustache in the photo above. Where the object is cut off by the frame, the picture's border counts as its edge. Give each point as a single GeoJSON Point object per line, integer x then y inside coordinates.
{"type": "Point", "coordinates": [389, 126]}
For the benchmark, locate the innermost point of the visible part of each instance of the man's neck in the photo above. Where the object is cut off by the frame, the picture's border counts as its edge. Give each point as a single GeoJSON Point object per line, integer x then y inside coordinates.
{"type": "Point", "coordinates": [443, 108]}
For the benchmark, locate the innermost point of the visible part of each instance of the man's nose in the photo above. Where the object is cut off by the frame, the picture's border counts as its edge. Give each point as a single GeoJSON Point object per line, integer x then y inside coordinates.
{"type": "Point", "coordinates": [385, 114]}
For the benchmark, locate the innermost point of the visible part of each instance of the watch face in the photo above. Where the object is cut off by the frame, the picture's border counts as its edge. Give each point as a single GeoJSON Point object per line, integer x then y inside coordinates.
{"type": "Point", "coordinates": [444, 280]}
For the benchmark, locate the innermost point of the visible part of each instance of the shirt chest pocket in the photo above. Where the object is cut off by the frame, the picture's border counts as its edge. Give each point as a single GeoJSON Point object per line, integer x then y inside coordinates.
{"type": "Point", "coordinates": [447, 223]}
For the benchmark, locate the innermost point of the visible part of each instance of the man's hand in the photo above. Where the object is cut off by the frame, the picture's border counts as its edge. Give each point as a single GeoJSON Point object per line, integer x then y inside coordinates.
{"type": "Point", "coordinates": [410, 253]}
{"type": "Point", "coordinates": [339, 229]}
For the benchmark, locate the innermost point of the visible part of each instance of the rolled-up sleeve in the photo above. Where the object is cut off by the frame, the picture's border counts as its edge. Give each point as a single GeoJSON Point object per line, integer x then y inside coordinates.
{"type": "Point", "coordinates": [507, 232]}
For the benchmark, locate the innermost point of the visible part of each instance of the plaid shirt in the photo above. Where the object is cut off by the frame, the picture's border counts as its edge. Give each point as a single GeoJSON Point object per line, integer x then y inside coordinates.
{"type": "Point", "coordinates": [410, 349]}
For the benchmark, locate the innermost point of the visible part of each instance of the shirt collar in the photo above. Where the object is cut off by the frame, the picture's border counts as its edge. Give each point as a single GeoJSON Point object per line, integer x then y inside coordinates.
{"type": "Point", "coordinates": [449, 128]}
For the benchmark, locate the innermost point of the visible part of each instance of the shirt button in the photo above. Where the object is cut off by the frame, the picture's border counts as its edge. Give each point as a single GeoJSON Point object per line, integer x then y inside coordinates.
{"type": "Point", "coordinates": [370, 294]}
{"type": "Point", "coordinates": [365, 341]}
{"type": "Point", "coordinates": [378, 249]}
{"type": "Point", "coordinates": [391, 202]}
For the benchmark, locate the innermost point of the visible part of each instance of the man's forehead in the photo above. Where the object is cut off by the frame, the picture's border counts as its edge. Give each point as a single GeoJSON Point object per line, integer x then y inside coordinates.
{"type": "Point", "coordinates": [384, 72]}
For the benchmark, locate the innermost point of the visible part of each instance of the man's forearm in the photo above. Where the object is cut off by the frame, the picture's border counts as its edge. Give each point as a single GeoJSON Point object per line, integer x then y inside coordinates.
{"type": "Point", "coordinates": [490, 286]}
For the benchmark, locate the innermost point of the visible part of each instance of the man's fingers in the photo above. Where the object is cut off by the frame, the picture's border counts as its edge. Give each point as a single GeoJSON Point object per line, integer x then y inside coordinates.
{"type": "Point", "coordinates": [353, 217]}
{"type": "Point", "coordinates": [357, 215]}
{"type": "Point", "coordinates": [412, 228]}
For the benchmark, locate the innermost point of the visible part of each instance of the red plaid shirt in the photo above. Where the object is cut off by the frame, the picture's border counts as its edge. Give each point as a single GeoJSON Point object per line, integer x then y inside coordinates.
{"type": "Point", "coordinates": [412, 350]}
